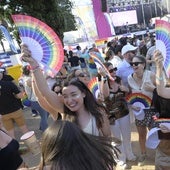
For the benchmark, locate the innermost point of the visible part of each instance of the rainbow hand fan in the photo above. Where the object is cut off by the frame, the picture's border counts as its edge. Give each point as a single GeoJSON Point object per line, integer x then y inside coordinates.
{"type": "Point", "coordinates": [163, 42]}
{"type": "Point", "coordinates": [93, 86]}
{"type": "Point", "coordinates": [99, 64]}
{"type": "Point", "coordinates": [43, 42]}
{"type": "Point", "coordinates": [162, 120]}
{"type": "Point", "coordinates": [139, 97]}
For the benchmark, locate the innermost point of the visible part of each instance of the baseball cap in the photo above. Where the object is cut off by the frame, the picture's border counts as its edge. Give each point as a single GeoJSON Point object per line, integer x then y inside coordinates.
{"type": "Point", "coordinates": [2, 70]}
{"type": "Point", "coordinates": [152, 140]}
{"type": "Point", "coordinates": [127, 48]}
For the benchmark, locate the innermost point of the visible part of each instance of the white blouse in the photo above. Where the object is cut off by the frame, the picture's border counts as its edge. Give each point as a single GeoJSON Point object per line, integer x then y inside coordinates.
{"type": "Point", "coordinates": [91, 127]}
{"type": "Point", "coordinates": [136, 88]}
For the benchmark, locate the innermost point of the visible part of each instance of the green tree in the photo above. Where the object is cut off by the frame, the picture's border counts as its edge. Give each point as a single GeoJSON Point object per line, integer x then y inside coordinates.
{"type": "Point", "coordinates": [55, 13]}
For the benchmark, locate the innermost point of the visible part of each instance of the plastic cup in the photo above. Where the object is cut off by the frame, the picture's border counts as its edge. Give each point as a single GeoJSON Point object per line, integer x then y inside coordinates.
{"type": "Point", "coordinates": [30, 140]}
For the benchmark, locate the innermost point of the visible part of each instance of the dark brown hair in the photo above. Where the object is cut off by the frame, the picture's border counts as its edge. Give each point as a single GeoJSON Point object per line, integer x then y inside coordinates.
{"type": "Point", "coordinates": [66, 147]}
{"type": "Point", "coordinates": [90, 103]}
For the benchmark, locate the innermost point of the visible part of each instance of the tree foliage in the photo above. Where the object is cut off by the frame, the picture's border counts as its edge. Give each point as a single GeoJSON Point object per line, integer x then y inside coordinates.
{"type": "Point", "coordinates": [55, 13]}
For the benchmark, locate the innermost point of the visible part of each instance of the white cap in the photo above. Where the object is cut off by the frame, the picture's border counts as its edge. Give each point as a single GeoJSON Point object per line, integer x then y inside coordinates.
{"type": "Point", "coordinates": [152, 138]}
{"type": "Point", "coordinates": [127, 48]}
{"type": "Point", "coordinates": [1, 70]}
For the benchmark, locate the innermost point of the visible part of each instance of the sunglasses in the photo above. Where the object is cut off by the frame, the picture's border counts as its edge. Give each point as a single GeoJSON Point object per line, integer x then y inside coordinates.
{"type": "Point", "coordinates": [133, 52]}
{"type": "Point", "coordinates": [83, 75]}
{"type": "Point", "coordinates": [58, 92]}
{"type": "Point", "coordinates": [135, 63]}
{"type": "Point", "coordinates": [112, 70]}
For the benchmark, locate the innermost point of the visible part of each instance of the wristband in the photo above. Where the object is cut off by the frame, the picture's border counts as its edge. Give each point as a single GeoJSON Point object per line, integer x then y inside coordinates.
{"type": "Point", "coordinates": [104, 78]}
{"type": "Point", "coordinates": [159, 78]}
{"type": "Point", "coordinates": [35, 67]}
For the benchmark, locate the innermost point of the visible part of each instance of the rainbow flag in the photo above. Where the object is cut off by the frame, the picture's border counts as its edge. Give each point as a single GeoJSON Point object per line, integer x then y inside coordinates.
{"type": "Point", "coordinates": [93, 86]}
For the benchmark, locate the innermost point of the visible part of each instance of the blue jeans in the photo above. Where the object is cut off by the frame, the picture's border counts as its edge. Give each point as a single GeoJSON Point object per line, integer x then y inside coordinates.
{"type": "Point", "coordinates": [43, 114]}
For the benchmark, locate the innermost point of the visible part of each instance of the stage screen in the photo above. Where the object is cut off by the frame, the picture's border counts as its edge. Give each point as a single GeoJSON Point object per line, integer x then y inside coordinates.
{"type": "Point", "coordinates": [120, 18]}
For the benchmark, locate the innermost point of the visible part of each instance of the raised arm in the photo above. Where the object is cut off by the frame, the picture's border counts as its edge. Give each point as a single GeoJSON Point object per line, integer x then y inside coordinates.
{"type": "Point", "coordinates": [105, 130]}
{"type": "Point", "coordinates": [40, 81]}
{"type": "Point", "coordinates": [44, 103]}
{"type": "Point", "coordinates": [160, 83]}
{"type": "Point", "coordinates": [104, 86]}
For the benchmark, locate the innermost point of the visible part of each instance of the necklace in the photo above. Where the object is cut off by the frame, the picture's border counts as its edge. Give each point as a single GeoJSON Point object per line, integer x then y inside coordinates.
{"type": "Point", "coordinates": [138, 81]}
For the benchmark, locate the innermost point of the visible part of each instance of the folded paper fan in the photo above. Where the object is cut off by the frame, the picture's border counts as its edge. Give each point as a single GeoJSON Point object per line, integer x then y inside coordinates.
{"type": "Point", "coordinates": [139, 97]}
{"type": "Point", "coordinates": [163, 42]}
{"type": "Point", "coordinates": [163, 120]}
{"type": "Point", "coordinates": [43, 42]}
{"type": "Point", "coordinates": [93, 86]}
{"type": "Point", "coordinates": [100, 64]}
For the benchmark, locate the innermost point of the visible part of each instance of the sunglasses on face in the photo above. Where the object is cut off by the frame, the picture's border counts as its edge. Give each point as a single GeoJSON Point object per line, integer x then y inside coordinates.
{"type": "Point", "coordinates": [82, 75]}
{"type": "Point", "coordinates": [135, 63]}
{"type": "Point", "coordinates": [133, 52]}
{"type": "Point", "coordinates": [58, 92]}
{"type": "Point", "coordinates": [112, 70]}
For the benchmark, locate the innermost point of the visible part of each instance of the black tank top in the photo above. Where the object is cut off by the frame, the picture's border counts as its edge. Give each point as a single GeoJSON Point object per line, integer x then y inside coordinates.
{"type": "Point", "coordinates": [161, 104]}
{"type": "Point", "coordinates": [165, 108]}
{"type": "Point", "coordinates": [10, 158]}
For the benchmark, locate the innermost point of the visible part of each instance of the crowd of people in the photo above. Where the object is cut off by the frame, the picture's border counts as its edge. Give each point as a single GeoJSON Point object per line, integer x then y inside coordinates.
{"type": "Point", "coordinates": [88, 132]}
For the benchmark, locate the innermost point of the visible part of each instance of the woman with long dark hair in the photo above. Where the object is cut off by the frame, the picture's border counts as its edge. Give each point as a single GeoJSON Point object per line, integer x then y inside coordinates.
{"type": "Point", "coordinates": [76, 102]}
{"type": "Point", "coordinates": [67, 147]}
{"type": "Point", "coordinates": [114, 96]}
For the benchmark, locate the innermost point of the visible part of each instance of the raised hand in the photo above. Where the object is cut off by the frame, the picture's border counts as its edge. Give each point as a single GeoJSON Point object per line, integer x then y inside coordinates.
{"type": "Point", "coordinates": [158, 58]}
{"type": "Point", "coordinates": [26, 56]}
{"type": "Point", "coordinates": [102, 72]}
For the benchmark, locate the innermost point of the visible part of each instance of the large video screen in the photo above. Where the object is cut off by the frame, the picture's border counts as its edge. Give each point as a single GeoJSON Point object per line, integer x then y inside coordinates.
{"type": "Point", "coordinates": [121, 18]}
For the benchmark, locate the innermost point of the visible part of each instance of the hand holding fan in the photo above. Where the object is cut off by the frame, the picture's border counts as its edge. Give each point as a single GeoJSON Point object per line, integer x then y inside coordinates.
{"type": "Point", "coordinates": [100, 64]}
{"type": "Point", "coordinates": [43, 42]}
{"type": "Point", "coordinates": [163, 42]}
{"type": "Point", "coordinates": [139, 100]}
{"type": "Point", "coordinates": [139, 97]}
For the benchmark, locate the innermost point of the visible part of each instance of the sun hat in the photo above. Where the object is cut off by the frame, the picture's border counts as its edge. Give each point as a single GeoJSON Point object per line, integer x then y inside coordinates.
{"type": "Point", "coordinates": [127, 48]}
{"type": "Point", "coordinates": [152, 140]}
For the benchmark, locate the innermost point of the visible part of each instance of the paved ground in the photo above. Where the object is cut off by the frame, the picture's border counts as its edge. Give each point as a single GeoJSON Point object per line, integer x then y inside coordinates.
{"type": "Point", "coordinates": [32, 160]}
